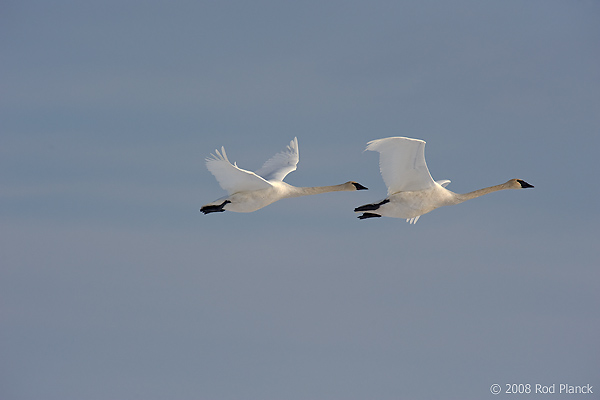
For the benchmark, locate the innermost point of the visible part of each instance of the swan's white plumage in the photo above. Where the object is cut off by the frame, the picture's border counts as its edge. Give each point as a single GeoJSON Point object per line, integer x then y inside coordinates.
{"type": "Point", "coordinates": [413, 220]}
{"type": "Point", "coordinates": [412, 191]}
{"type": "Point", "coordinates": [249, 191]}
{"type": "Point", "coordinates": [232, 178]}
{"type": "Point", "coordinates": [277, 167]}
{"type": "Point", "coordinates": [402, 164]}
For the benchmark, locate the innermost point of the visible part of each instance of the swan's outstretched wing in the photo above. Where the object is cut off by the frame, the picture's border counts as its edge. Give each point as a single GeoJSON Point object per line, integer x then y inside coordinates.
{"type": "Point", "coordinates": [402, 163]}
{"type": "Point", "coordinates": [232, 178]}
{"type": "Point", "coordinates": [277, 167]}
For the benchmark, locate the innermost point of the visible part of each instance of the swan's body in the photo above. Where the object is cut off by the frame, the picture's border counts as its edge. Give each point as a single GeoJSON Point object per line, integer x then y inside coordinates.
{"type": "Point", "coordinates": [411, 190]}
{"type": "Point", "coordinates": [249, 191]}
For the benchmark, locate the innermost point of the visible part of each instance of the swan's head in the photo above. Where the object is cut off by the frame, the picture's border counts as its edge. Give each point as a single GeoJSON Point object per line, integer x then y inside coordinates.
{"type": "Point", "coordinates": [357, 185]}
{"type": "Point", "coordinates": [518, 184]}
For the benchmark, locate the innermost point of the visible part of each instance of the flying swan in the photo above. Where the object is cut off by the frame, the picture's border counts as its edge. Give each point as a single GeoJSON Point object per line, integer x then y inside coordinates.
{"type": "Point", "coordinates": [249, 191]}
{"type": "Point", "coordinates": [411, 190]}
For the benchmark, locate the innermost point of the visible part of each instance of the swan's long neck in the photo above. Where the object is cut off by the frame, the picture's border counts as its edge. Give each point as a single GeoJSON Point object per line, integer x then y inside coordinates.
{"type": "Point", "coordinates": [459, 198]}
{"type": "Point", "coordinates": [307, 191]}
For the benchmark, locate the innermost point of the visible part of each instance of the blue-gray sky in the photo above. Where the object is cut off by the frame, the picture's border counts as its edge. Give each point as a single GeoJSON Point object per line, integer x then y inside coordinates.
{"type": "Point", "coordinates": [114, 286]}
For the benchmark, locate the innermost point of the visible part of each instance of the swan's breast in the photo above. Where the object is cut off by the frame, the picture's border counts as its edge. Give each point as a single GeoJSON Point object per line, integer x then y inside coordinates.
{"type": "Point", "coordinates": [252, 201]}
{"type": "Point", "coordinates": [412, 204]}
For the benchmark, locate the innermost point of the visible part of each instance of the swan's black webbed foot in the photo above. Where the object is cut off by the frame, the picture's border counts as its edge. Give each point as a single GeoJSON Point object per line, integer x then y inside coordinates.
{"type": "Point", "coordinates": [368, 215]}
{"type": "Point", "coordinates": [214, 207]}
{"type": "Point", "coordinates": [371, 207]}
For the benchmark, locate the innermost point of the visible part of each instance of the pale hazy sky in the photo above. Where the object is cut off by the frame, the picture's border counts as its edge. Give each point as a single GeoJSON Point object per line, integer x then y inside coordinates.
{"type": "Point", "coordinates": [114, 287]}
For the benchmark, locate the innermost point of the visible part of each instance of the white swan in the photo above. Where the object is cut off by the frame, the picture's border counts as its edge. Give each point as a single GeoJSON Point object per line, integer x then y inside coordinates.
{"type": "Point", "coordinates": [411, 190]}
{"type": "Point", "coordinates": [249, 191]}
